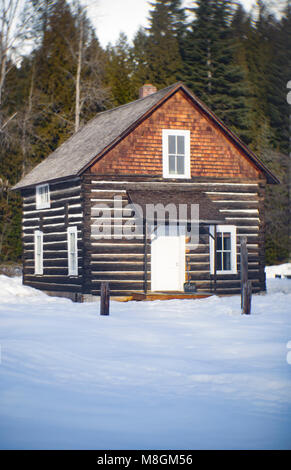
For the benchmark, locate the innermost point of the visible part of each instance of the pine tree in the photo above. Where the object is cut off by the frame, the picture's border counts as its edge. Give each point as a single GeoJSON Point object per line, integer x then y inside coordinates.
{"type": "Point", "coordinates": [278, 76]}
{"type": "Point", "coordinates": [197, 66]}
{"type": "Point", "coordinates": [140, 60]}
{"type": "Point", "coordinates": [162, 52]}
{"type": "Point", "coordinates": [259, 55]}
{"type": "Point", "coordinates": [119, 69]}
{"type": "Point", "coordinates": [70, 74]}
{"type": "Point", "coordinates": [179, 22]}
{"type": "Point", "coordinates": [210, 67]}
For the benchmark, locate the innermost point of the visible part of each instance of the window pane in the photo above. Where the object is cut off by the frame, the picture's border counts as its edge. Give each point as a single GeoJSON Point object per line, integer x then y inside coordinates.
{"type": "Point", "coordinates": [219, 241]}
{"type": "Point", "coordinates": [38, 244]}
{"type": "Point", "coordinates": [73, 252]}
{"type": "Point", "coordinates": [172, 164]}
{"type": "Point", "coordinates": [180, 165]}
{"type": "Point", "coordinates": [73, 262]}
{"type": "Point", "coordinates": [226, 241]}
{"type": "Point", "coordinates": [219, 261]}
{"type": "Point", "coordinates": [72, 242]}
{"type": "Point", "coordinates": [180, 145]}
{"type": "Point", "coordinates": [226, 261]}
{"type": "Point", "coordinates": [42, 196]}
{"type": "Point", "coordinates": [38, 253]}
{"type": "Point", "coordinates": [172, 144]}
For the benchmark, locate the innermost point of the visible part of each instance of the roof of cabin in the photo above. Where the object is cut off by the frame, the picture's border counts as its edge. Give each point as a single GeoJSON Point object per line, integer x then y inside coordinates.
{"type": "Point", "coordinates": [105, 130]}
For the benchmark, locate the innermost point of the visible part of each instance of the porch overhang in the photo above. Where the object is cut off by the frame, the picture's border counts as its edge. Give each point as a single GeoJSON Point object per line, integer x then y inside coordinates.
{"type": "Point", "coordinates": [162, 205]}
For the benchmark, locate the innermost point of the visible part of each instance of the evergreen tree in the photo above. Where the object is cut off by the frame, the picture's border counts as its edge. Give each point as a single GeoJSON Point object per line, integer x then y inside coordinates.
{"type": "Point", "coordinates": [55, 75]}
{"type": "Point", "coordinates": [259, 54]}
{"type": "Point", "coordinates": [279, 75]}
{"type": "Point", "coordinates": [119, 70]}
{"type": "Point", "coordinates": [179, 22]}
{"type": "Point", "coordinates": [197, 66]}
{"type": "Point", "coordinates": [40, 97]}
{"type": "Point", "coordinates": [162, 51]}
{"type": "Point", "coordinates": [210, 69]}
{"type": "Point", "coordinates": [140, 58]}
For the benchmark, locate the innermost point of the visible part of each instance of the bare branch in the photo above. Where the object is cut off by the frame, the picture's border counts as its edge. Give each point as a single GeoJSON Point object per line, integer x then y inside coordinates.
{"type": "Point", "coordinates": [7, 121]}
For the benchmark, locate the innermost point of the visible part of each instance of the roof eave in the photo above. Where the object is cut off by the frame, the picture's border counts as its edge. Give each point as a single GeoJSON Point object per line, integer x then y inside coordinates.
{"type": "Point", "coordinates": [130, 128]}
{"type": "Point", "coordinates": [16, 187]}
{"type": "Point", "coordinates": [270, 177]}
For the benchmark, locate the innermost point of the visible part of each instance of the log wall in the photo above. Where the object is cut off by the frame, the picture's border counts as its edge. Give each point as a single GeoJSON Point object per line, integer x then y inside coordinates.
{"type": "Point", "coordinates": [242, 205]}
{"type": "Point", "coordinates": [66, 209]}
{"type": "Point", "coordinates": [126, 264]}
{"type": "Point", "coordinates": [120, 262]}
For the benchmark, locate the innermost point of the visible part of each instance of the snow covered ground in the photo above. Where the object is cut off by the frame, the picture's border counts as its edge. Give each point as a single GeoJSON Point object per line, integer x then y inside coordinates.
{"type": "Point", "coordinates": [179, 374]}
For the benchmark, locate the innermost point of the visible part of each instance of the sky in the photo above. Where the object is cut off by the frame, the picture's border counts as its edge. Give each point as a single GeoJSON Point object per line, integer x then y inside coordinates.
{"type": "Point", "coordinates": [110, 17]}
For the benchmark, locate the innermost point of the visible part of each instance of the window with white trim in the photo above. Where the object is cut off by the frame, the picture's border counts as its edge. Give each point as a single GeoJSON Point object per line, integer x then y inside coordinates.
{"type": "Point", "coordinates": [42, 196]}
{"type": "Point", "coordinates": [225, 256]}
{"type": "Point", "coordinates": [176, 153]}
{"type": "Point", "coordinates": [38, 252]}
{"type": "Point", "coordinates": [72, 251]}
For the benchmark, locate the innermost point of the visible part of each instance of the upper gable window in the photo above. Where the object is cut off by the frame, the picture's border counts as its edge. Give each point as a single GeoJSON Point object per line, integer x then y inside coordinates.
{"type": "Point", "coordinates": [176, 153]}
{"type": "Point", "coordinates": [42, 196]}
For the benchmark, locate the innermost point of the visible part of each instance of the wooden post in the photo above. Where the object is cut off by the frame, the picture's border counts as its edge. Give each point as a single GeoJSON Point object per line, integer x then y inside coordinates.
{"type": "Point", "coordinates": [247, 298]}
{"type": "Point", "coordinates": [215, 257]}
{"type": "Point", "coordinates": [145, 257]}
{"type": "Point", "coordinates": [105, 297]}
{"type": "Point", "coordinates": [243, 265]}
{"type": "Point", "coordinates": [246, 285]}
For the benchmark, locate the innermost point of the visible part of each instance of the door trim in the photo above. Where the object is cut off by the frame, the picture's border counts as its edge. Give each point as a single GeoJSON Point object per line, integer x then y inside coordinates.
{"type": "Point", "coordinates": [182, 259]}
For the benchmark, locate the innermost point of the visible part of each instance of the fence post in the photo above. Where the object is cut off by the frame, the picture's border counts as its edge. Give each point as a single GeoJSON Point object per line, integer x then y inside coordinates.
{"type": "Point", "coordinates": [246, 285]}
{"type": "Point", "coordinates": [247, 298]}
{"type": "Point", "coordinates": [105, 297]}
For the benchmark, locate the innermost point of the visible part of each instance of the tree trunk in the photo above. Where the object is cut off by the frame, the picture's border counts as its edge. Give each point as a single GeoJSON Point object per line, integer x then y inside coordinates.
{"type": "Point", "coordinates": [78, 78]}
{"type": "Point", "coordinates": [25, 121]}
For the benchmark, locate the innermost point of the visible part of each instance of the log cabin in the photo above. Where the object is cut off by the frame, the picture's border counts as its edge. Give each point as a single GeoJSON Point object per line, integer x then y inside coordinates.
{"type": "Point", "coordinates": [166, 148]}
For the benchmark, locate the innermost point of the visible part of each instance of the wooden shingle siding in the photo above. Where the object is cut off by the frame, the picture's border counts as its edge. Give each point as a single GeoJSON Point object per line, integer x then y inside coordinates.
{"type": "Point", "coordinates": [212, 153]}
{"type": "Point", "coordinates": [121, 262]}
{"type": "Point", "coordinates": [65, 210]}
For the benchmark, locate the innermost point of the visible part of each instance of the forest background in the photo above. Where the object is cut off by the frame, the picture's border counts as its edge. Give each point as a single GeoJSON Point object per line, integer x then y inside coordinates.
{"type": "Point", "coordinates": [55, 76]}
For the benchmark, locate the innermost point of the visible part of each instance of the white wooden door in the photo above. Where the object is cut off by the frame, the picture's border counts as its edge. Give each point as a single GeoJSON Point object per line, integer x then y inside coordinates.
{"type": "Point", "coordinates": [168, 259]}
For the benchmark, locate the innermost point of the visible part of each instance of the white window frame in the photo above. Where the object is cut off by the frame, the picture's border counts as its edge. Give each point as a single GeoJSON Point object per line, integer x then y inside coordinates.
{"type": "Point", "coordinates": [38, 262]}
{"type": "Point", "coordinates": [187, 170]}
{"type": "Point", "coordinates": [40, 202]}
{"type": "Point", "coordinates": [233, 257]}
{"type": "Point", "coordinates": [72, 269]}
